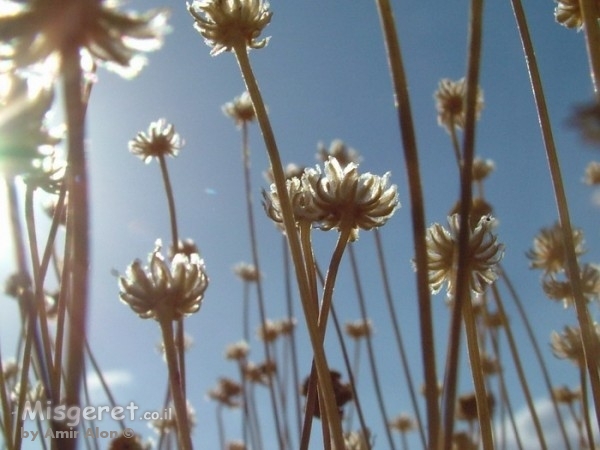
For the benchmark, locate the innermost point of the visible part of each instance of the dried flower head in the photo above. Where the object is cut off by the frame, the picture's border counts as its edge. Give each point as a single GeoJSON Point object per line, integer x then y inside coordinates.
{"type": "Point", "coordinates": [403, 423]}
{"type": "Point", "coordinates": [301, 196]}
{"type": "Point", "coordinates": [548, 252]}
{"type": "Point", "coordinates": [17, 284]}
{"type": "Point", "coordinates": [226, 392]}
{"type": "Point", "coordinates": [225, 24]}
{"type": "Point", "coordinates": [116, 39]}
{"type": "Point", "coordinates": [160, 141]}
{"type": "Point", "coordinates": [450, 100]}
{"type": "Point", "coordinates": [490, 365]}
{"type": "Point", "coordinates": [237, 351]}
{"type": "Point", "coordinates": [479, 209]}
{"type": "Point", "coordinates": [128, 442]}
{"type": "Point", "coordinates": [162, 291]}
{"type": "Point", "coordinates": [568, 13]}
{"type": "Point", "coordinates": [186, 246]}
{"type": "Point", "coordinates": [236, 445]}
{"type": "Point", "coordinates": [241, 109]}
{"type": "Point", "coordinates": [560, 290]}
{"type": "Point", "coordinates": [341, 391]}
{"type": "Point", "coordinates": [466, 406]}
{"type": "Point", "coordinates": [246, 272]}
{"type": "Point", "coordinates": [442, 254]}
{"type": "Point", "coordinates": [268, 331]}
{"type": "Point", "coordinates": [165, 426]}
{"type": "Point", "coordinates": [586, 119]}
{"type": "Point", "coordinates": [356, 440]}
{"type": "Point", "coordinates": [482, 168]}
{"type": "Point", "coordinates": [568, 345]}
{"type": "Point", "coordinates": [350, 200]}
{"type": "Point", "coordinates": [359, 328]}
{"type": "Point", "coordinates": [340, 151]}
{"type": "Point", "coordinates": [563, 394]}
{"type": "Point", "coordinates": [592, 174]}
{"type": "Point", "coordinates": [260, 373]}
{"type": "Point", "coordinates": [285, 327]}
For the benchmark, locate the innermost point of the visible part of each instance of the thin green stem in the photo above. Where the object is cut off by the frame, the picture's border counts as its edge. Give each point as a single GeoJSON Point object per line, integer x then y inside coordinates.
{"type": "Point", "coordinates": [293, 240]}
{"type": "Point", "coordinates": [179, 401]}
{"type": "Point", "coordinates": [405, 121]}
{"type": "Point", "coordinates": [589, 339]}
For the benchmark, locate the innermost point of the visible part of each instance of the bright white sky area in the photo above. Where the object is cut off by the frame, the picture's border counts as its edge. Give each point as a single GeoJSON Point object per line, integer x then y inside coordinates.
{"type": "Point", "coordinates": [324, 76]}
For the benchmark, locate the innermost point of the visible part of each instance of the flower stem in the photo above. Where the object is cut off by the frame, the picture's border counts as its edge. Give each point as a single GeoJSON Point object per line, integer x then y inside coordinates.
{"type": "Point", "coordinates": [417, 215]}
{"type": "Point", "coordinates": [170, 201]}
{"type": "Point", "coordinates": [589, 339]}
{"type": "Point", "coordinates": [293, 240]}
{"type": "Point", "coordinates": [589, 13]}
{"type": "Point", "coordinates": [179, 402]}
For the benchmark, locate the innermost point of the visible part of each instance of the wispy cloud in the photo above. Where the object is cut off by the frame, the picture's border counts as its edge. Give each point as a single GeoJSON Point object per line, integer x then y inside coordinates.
{"type": "Point", "coordinates": [113, 378]}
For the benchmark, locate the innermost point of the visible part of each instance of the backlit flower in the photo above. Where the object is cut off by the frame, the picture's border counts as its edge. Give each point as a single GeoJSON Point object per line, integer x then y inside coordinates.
{"type": "Point", "coordinates": [164, 291]}
{"type": "Point", "coordinates": [341, 391]}
{"type": "Point", "coordinates": [359, 328]}
{"type": "Point", "coordinates": [237, 351]}
{"type": "Point", "coordinates": [351, 200]}
{"type": "Point", "coordinates": [451, 105]}
{"type": "Point", "coordinates": [39, 28]}
{"type": "Point", "coordinates": [484, 254]}
{"type": "Point", "coordinates": [568, 344]}
{"type": "Point", "coordinates": [482, 168]}
{"type": "Point", "coordinates": [160, 141]}
{"type": "Point", "coordinates": [568, 13]}
{"type": "Point", "coordinates": [268, 331]}
{"type": "Point", "coordinates": [402, 423]}
{"type": "Point", "coordinates": [563, 394]}
{"type": "Point", "coordinates": [548, 252]}
{"type": "Point", "coordinates": [241, 109]}
{"type": "Point", "coordinates": [246, 272]}
{"type": "Point", "coordinates": [227, 23]}
{"type": "Point", "coordinates": [560, 290]}
{"type": "Point", "coordinates": [226, 392]}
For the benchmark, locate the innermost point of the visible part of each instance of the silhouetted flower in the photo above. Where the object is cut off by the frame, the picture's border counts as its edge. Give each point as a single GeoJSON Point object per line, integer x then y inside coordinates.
{"type": "Point", "coordinates": [237, 351]}
{"type": "Point", "coordinates": [160, 141]}
{"type": "Point", "coordinates": [351, 200]}
{"type": "Point", "coordinates": [484, 254]}
{"type": "Point", "coordinates": [162, 291]}
{"type": "Point", "coordinates": [359, 328]}
{"type": "Point", "coordinates": [450, 100]}
{"type": "Point", "coordinates": [227, 23]}
{"type": "Point", "coordinates": [560, 290]}
{"type": "Point", "coordinates": [403, 423]}
{"type": "Point", "coordinates": [548, 252]}
{"type": "Point", "coordinates": [569, 345]}
{"type": "Point", "coordinates": [246, 272]}
{"type": "Point", "coordinates": [226, 393]}
{"type": "Point", "coordinates": [592, 174]}
{"type": "Point", "coordinates": [482, 168]}
{"type": "Point", "coordinates": [341, 391]}
{"type": "Point", "coordinates": [241, 109]}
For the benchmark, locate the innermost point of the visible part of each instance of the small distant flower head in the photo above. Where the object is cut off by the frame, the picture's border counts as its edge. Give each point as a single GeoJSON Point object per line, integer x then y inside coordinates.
{"type": "Point", "coordinates": [246, 272]}
{"type": "Point", "coordinates": [285, 327]}
{"type": "Point", "coordinates": [490, 365]}
{"type": "Point", "coordinates": [563, 394]}
{"type": "Point", "coordinates": [569, 345]}
{"type": "Point", "coordinates": [351, 200]}
{"type": "Point", "coordinates": [17, 284]}
{"type": "Point", "coordinates": [128, 442]}
{"type": "Point", "coordinates": [342, 392]}
{"type": "Point", "coordinates": [466, 406]}
{"type": "Point", "coordinates": [290, 171]}
{"type": "Point", "coordinates": [237, 351]}
{"type": "Point", "coordinates": [340, 151]}
{"type": "Point", "coordinates": [164, 291]}
{"type": "Point", "coordinates": [241, 109]}
{"type": "Point", "coordinates": [168, 425]}
{"type": "Point", "coordinates": [592, 174]}
{"type": "Point", "coordinates": [442, 254]}
{"type": "Point", "coordinates": [160, 141]}
{"type": "Point", "coordinates": [482, 168]}
{"type": "Point", "coordinates": [226, 392]}
{"type": "Point", "coordinates": [451, 106]}
{"type": "Point", "coordinates": [586, 119]}
{"type": "Point", "coordinates": [560, 290]}
{"type": "Point", "coordinates": [479, 208]}
{"type": "Point", "coordinates": [186, 246]}
{"type": "Point", "coordinates": [260, 373]}
{"type": "Point", "coordinates": [402, 423]}
{"type": "Point", "coordinates": [359, 328]}
{"type": "Point", "coordinates": [268, 331]}
{"type": "Point", "coordinates": [548, 252]}
{"type": "Point", "coordinates": [227, 23]}
{"type": "Point", "coordinates": [236, 445]}
{"type": "Point", "coordinates": [357, 440]}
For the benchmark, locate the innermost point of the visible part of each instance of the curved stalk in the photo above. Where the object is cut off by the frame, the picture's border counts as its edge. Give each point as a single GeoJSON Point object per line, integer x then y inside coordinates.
{"type": "Point", "coordinates": [589, 12]}
{"type": "Point", "coordinates": [293, 241]}
{"type": "Point", "coordinates": [589, 339]}
{"type": "Point", "coordinates": [417, 215]}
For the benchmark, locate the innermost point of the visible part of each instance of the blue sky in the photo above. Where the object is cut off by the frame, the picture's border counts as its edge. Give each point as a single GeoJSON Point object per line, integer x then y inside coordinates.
{"type": "Point", "coordinates": [324, 76]}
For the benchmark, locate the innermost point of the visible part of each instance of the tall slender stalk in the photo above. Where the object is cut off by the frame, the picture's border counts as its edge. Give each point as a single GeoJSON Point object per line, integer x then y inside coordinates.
{"type": "Point", "coordinates": [411, 160]}
{"type": "Point", "coordinates": [293, 241]}
{"type": "Point", "coordinates": [589, 339]}
{"type": "Point", "coordinates": [589, 12]}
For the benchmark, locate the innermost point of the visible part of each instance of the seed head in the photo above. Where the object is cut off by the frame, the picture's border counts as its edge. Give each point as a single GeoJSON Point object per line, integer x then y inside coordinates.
{"type": "Point", "coordinates": [442, 254]}
{"type": "Point", "coordinates": [340, 151]}
{"type": "Point", "coordinates": [227, 23]}
{"type": "Point", "coordinates": [548, 252]}
{"type": "Point", "coordinates": [160, 141]}
{"type": "Point", "coordinates": [592, 174]}
{"type": "Point", "coordinates": [246, 272]}
{"type": "Point", "coordinates": [237, 351]}
{"type": "Point", "coordinates": [450, 100]}
{"type": "Point", "coordinates": [403, 423]}
{"type": "Point", "coordinates": [569, 345]}
{"type": "Point", "coordinates": [241, 109]}
{"type": "Point", "coordinates": [560, 290]}
{"type": "Point", "coordinates": [164, 291]}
